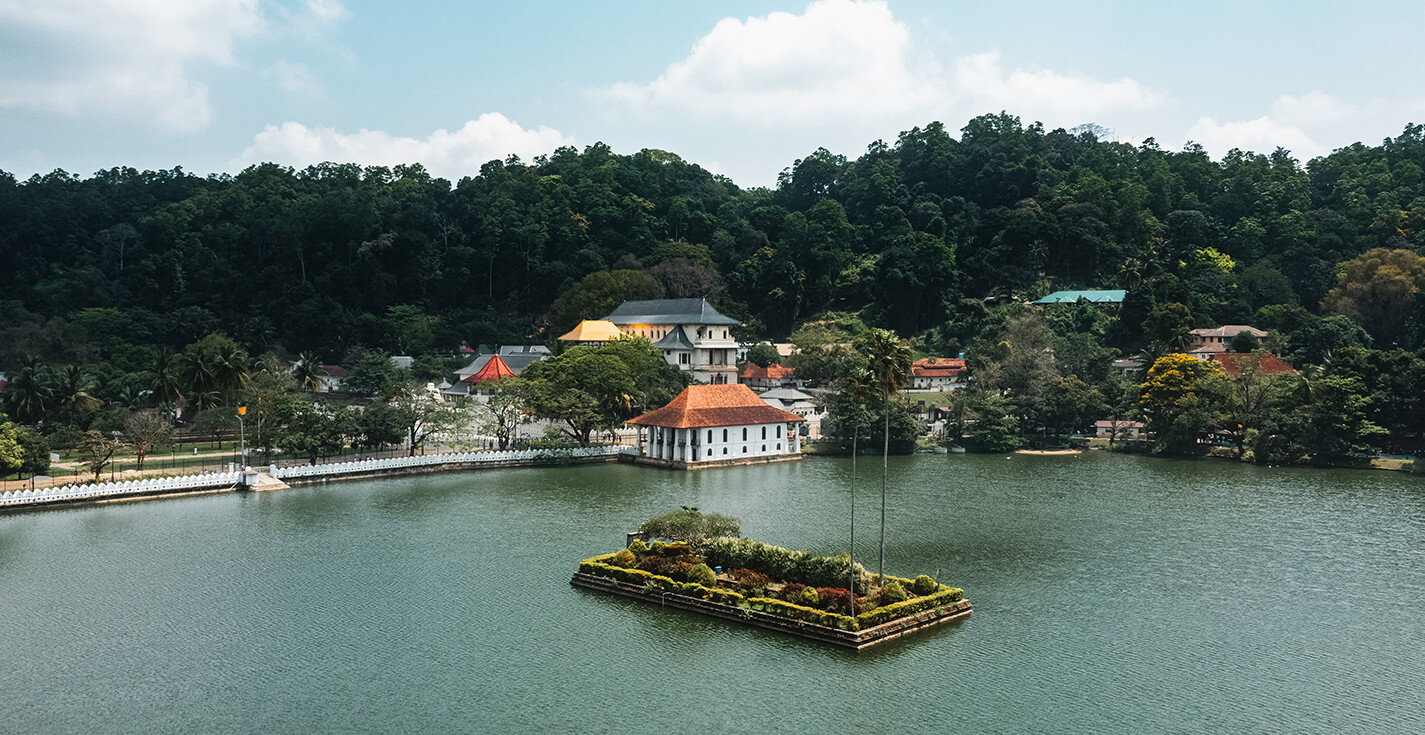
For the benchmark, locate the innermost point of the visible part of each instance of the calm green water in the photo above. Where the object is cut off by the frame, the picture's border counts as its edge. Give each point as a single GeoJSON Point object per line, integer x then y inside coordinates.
{"type": "Point", "coordinates": [1112, 594]}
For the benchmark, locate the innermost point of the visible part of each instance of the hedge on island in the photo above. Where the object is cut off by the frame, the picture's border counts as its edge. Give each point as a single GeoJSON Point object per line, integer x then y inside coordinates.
{"type": "Point", "coordinates": [766, 561]}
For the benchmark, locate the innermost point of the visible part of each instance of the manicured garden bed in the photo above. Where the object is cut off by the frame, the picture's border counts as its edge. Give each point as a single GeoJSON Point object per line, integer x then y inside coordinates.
{"type": "Point", "coordinates": [775, 588]}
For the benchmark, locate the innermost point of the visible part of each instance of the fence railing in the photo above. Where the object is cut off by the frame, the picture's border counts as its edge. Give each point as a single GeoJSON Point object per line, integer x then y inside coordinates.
{"type": "Point", "coordinates": [111, 489]}
{"type": "Point", "coordinates": [431, 460]}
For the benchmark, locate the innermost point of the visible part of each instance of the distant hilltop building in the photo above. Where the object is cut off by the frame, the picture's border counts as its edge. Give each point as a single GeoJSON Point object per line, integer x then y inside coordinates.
{"type": "Point", "coordinates": [1219, 339]}
{"type": "Point", "coordinates": [1101, 296]}
{"type": "Point", "coordinates": [690, 332]}
{"type": "Point", "coordinates": [938, 373]}
{"type": "Point", "coordinates": [710, 425]}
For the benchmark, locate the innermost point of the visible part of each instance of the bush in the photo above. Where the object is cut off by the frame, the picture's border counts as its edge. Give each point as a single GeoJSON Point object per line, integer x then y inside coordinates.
{"type": "Point", "coordinates": [834, 599]}
{"type": "Point", "coordinates": [691, 526]}
{"type": "Point", "coordinates": [658, 547]}
{"type": "Point", "coordinates": [945, 596]}
{"type": "Point", "coordinates": [792, 591]}
{"type": "Point", "coordinates": [801, 612]}
{"type": "Point", "coordinates": [923, 585]}
{"type": "Point", "coordinates": [809, 597]}
{"type": "Point", "coordinates": [702, 574]}
{"type": "Point", "coordinates": [784, 564]}
{"type": "Point", "coordinates": [892, 593]}
{"type": "Point", "coordinates": [750, 579]}
{"type": "Point", "coordinates": [656, 565]}
{"type": "Point", "coordinates": [624, 558]}
{"type": "Point", "coordinates": [638, 547]}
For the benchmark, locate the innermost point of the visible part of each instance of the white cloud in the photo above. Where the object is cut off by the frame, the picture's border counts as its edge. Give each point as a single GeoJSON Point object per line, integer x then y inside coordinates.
{"type": "Point", "coordinates": [1262, 135]}
{"type": "Point", "coordinates": [838, 58]}
{"type": "Point", "coordinates": [293, 77]}
{"type": "Point", "coordinates": [1314, 107]}
{"type": "Point", "coordinates": [443, 153]}
{"type": "Point", "coordinates": [128, 59]}
{"type": "Point", "coordinates": [981, 80]}
{"type": "Point", "coordinates": [852, 61]}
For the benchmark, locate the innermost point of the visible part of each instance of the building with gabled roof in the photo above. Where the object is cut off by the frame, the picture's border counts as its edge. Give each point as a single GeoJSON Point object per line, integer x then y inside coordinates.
{"type": "Point", "coordinates": [690, 332]}
{"type": "Point", "coordinates": [709, 425]}
{"type": "Point", "coordinates": [1218, 339]}
{"type": "Point", "coordinates": [772, 376]}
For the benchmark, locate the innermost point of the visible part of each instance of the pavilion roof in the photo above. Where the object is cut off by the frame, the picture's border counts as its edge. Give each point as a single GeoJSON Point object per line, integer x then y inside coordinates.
{"type": "Point", "coordinates": [700, 406]}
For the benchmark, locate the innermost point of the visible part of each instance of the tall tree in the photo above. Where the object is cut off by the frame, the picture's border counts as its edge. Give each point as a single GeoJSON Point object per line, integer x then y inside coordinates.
{"type": "Point", "coordinates": [888, 359]}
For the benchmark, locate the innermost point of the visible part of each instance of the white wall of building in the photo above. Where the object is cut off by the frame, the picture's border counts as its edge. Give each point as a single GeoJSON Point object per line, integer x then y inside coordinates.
{"type": "Point", "coordinates": [726, 442]}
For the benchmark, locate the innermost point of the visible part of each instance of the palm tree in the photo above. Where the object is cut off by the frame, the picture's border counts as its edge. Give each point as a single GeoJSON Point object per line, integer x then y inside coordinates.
{"type": "Point", "coordinates": [29, 392]}
{"type": "Point", "coordinates": [309, 371]}
{"type": "Point", "coordinates": [889, 359]}
{"type": "Point", "coordinates": [72, 392]}
{"type": "Point", "coordinates": [165, 377]}
{"type": "Point", "coordinates": [229, 366]}
{"type": "Point", "coordinates": [857, 387]}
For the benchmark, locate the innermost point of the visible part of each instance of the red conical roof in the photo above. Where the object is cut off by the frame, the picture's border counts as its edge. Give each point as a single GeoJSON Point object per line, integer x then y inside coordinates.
{"type": "Point", "coordinates": [495, 369]}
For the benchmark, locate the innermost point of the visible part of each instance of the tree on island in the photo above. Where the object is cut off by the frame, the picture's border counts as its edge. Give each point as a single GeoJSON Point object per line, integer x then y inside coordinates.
{"type": "Point", "coordinates": [888, 359]}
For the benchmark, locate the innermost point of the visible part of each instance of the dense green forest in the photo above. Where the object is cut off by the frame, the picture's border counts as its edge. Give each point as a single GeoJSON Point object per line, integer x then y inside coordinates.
{"type": "Point", "coordinates": [913, 235]}
{"type": "Point", "coordinates": [923, 236]}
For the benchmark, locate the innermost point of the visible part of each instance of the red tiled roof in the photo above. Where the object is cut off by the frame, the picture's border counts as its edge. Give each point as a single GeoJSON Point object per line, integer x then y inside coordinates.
{"type": "Point", "coordinates": [753, 371]}
{"type": "Point", "coordinates": [700, 406]}
{"type": "Point", "coordinates": [1231, 363]}
{"type": "Point", "coordinates": [933, 367]}
{"type": "Point", "coordinates": [334, 371]}
{"type": "Point", "coordinates": [495, 369]}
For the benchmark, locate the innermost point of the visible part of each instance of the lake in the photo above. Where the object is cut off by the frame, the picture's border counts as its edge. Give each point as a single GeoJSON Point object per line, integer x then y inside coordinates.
{"type": "Point", "coordinates": [1112, 594]}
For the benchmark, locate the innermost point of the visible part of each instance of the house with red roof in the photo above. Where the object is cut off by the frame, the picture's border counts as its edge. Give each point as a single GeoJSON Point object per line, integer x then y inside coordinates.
{"type": "Point", "coordinates": [713, 425]}
{"type": "Point", "coordinates": [766, 378]}
{"type": "Point", "coordinates": [938, 373]}
{"type": "Point", "coordinates": [1233, 363]}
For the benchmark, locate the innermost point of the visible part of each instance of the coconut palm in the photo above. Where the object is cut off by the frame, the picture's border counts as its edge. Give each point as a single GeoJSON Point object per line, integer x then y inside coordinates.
{"type": "Point", "coordinates": [230, 366]}
{"type": "Point", "coordinates": [29, 392]}
{"type": "Point", "coordinates": [73, 389]}
{"type": "Point", "coordinates": [165, 377]}
{"type": "Point", "coordinates": [309, 371]}
{"type": "Point", "coordinates": [857, 386]}
{"type": "Point", "coordinates": [888, 359]}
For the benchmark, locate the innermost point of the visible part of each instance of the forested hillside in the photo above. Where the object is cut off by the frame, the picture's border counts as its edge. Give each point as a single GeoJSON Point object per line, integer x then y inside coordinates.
{"type": "Point", "coordinates": [912, 235]}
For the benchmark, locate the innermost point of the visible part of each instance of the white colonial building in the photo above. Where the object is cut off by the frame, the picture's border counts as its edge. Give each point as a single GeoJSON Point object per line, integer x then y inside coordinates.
{"type": "Point", "coordinates": [690, 332]}
{"type": "Point", "coordinates": [717, 424]}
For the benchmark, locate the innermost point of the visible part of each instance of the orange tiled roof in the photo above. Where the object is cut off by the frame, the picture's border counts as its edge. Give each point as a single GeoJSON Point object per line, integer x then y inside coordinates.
{"type": "Point", "coordinates": [937, 367]}
{"type": "Point", "coordinates": [753, 371]}
{"type": "Point", "coordinates": [1231, 363]}
{"type": "Point", "coordinates": [700, 406]}
{"type": "Point", "coordinates": [493, 370]}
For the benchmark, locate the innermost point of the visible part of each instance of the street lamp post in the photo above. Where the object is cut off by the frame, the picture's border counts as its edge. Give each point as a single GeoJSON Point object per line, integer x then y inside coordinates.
{"type": "Point", "coordinates": [242, 437]}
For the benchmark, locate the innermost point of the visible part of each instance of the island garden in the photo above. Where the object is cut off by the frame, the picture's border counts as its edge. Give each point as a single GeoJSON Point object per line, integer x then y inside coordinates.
{"type": "Point", "coordinates": [698, 562]}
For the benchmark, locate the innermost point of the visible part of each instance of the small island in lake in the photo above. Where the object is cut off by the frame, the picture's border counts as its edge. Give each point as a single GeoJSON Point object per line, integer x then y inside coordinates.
{"type": "Point", "coordinates": [709, 570]}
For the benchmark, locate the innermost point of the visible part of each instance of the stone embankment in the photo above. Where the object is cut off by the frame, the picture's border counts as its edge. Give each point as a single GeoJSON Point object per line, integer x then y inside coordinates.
{"type": "Point", "coordinates": [281, 477]}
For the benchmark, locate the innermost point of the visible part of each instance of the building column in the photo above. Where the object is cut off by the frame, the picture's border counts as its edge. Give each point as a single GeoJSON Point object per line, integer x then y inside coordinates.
{"type": "Point", "coordinates": [796, 439]}
{"type": "Point", "coordinates": [638, 441]}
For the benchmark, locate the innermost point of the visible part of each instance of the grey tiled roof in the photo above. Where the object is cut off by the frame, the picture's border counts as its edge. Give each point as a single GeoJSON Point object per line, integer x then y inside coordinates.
{"type": "Point", "coordinates": [669, 311]}
{"type": "Point", "coordinates": [675, 340]}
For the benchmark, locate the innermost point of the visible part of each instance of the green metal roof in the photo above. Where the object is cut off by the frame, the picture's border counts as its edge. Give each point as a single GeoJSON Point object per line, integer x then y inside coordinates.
{"type": "Point", "coordinates": [1106, 296]}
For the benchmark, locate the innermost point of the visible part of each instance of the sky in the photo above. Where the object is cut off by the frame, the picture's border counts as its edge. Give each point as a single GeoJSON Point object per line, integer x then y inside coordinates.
{"type": "Point", "coordinates": [741, 88]}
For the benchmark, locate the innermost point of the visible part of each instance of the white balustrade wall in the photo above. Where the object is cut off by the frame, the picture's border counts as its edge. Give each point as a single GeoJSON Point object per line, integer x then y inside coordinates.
{"type": "Point", "coordinates": [224, 479]}
{"type": "Point", "coordinates": [431, 460]}
{"type": "Point", "coordinates": [155, 485]}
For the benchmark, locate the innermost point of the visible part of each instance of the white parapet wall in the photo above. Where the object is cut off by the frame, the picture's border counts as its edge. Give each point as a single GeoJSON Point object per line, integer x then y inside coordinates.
{"type": "Point", "coordinates": [453, 458]}
{"type": "Point", "coordinates": [163, 485]}
{"type": "Point", "coordinates": [152, 486]}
